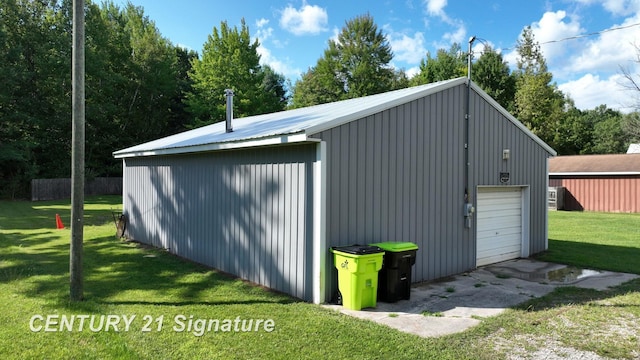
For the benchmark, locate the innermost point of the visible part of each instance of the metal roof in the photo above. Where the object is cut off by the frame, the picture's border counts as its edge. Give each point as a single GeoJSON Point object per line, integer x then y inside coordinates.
{"type": "Point", "coordinates": [295, 125]}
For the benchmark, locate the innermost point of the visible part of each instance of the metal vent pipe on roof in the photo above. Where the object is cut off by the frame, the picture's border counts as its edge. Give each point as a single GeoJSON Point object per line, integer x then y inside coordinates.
{"type": "Point", "coordinates": [229, 94]}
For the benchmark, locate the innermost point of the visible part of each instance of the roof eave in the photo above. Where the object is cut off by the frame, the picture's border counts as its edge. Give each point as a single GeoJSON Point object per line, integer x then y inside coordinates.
{"type": "Point", "coordinates": [271, 140]}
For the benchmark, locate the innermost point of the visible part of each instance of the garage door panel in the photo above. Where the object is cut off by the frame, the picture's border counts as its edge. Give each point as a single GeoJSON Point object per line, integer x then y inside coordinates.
{"type": "Point", "coordinates": [507, 220]}
{"type": "Point", "coordinates": [501, 215]}
{"type": "Point", "coordinates": [502, 247]}
{"type": "Point", "coordinates": [491, 201]}
{"type": "Point", "coordinates": [502, 218]}
{"type": "Point", "coordinates": [498, 242]}
{"type": "Point", "coordinates": [495, 258]}
{"type": "Point", "coordinates": [499, 225]}
{"type": "Point", "coordinates": [488, 234]}
{"type": "Point", "coordinates": [502, 255]}
{"type": "Point", "coordinates": [498, 206]}
{"type": "Point", "coordinates": [505, 249]}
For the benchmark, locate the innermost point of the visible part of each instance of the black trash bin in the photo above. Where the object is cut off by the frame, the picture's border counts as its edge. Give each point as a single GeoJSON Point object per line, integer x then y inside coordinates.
{"type": "Point", "coordinates": [394, 279]}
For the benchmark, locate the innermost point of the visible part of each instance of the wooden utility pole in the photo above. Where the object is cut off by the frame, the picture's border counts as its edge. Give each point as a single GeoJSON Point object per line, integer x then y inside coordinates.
{"type": "Point", "coordinates": [77, 156]}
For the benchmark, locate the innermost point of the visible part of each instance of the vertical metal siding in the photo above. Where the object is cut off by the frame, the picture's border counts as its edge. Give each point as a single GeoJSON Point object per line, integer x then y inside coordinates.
{"type": "Point", "coordinates": [244, 212]}
{"type": "Point", "coordinates": [491, 133]}
{"type": "Point", "coordinates": [601, 193]}
{"type": "Point", "coordinates": [398, 175]}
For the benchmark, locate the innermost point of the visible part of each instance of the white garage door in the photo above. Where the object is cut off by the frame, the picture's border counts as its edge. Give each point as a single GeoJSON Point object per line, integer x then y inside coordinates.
{"type": "Point", "coordinates": [499, 216]}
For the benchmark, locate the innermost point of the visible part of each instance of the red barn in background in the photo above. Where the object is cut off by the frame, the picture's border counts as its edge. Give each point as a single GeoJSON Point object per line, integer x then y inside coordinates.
{"type": "Point", "coordinates": [608, 183]}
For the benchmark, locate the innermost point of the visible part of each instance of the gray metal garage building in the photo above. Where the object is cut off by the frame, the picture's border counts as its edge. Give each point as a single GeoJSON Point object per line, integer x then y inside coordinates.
{"type": "Point", "coordinates": [266, 201]}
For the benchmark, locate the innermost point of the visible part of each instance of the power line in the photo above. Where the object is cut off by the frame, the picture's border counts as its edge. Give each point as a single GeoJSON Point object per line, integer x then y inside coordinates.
{"type": "Point", "coordinates": [583, 35]}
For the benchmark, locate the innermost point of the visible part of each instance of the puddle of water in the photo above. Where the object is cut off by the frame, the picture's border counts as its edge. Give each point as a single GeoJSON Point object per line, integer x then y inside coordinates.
{"type": "Point", "coordinates": [563, 275]}
{"type": "Point", "coordinates": [570, 274]}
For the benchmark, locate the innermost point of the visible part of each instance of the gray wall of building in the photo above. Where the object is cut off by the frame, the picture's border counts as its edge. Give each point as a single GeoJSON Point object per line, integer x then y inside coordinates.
{"type": "Point", "coordinates": [245, 212]}
{"type": "Point", "coordinates": [399, 176]}
{"type": "Point", "coordinates": [491, 132]}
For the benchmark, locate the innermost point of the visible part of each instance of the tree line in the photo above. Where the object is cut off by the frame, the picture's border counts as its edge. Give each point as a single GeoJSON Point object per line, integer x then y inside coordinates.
{"type": "Point", "coordinates": [140, 86]}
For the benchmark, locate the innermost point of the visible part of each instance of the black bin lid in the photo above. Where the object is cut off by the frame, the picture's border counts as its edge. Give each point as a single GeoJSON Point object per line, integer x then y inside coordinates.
{"type": "Point", "coordinates": [358, 249]}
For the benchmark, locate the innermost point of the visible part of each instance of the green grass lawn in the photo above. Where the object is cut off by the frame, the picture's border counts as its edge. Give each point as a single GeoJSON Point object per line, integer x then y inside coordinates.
{"type": "Point", "coordinates": [122, 278]}
{"type": "Point", "coordinates": [596, 240]}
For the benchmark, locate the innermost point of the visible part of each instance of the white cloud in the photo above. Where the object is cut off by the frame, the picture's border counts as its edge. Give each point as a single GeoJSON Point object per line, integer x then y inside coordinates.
{"type": "Point", "coordinates": [601, 54]}
{"type": "Point", "coordinates": [336, 33]}
{"type": "Point", "coordinates": [282, 67]}
{"type": "Point", "coordinates": [184, 47]}
{"type": "Point", "coordinates": [309, 19]}
{"type": "Point", "coordinates": [590, 91]}
{"type": "Point", "coordinates": [409, 49]}
{"type": "Point", "coordinates": [261, 22]}
{"type": "Point", "coordinates": [479, 45]}
{"type": "Point", "coordinates": [436, 8]}
{"type": "Point", "coordinates": [264, 32]}
{"type": "Point", "coordinates": [412, 71]}
{"type": "Point", "coordinates": [555, 26]}
{"type": "Point", "coordinates": [608, 51]}
{"type": "Point", "coordinates": [587, 68]}
{"type": "Point", "coordinates": [616, 7]}
{"type": "Point", "coordinates": [457, 34]}
{"type": "Point", "coordinates": [622, 7]}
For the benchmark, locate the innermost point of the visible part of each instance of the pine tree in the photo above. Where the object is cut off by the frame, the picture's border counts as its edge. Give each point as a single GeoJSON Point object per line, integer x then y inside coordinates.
{"type": "Point", "coordinates": [538, 102]}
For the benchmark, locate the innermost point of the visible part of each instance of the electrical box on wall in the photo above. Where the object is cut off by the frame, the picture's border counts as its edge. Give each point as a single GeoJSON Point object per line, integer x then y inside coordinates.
{"type": "Point", "coordinates": [468, 209]}
{"type": "Point", "coordinates": [505, 154]}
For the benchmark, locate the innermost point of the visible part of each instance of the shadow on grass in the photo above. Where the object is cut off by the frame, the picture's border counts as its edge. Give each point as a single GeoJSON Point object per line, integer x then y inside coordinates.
{"type": "Point", "coordinates": [27, 215]}
{"type": "Point", "coordinates": [593, 256]}
{"type": "Point", "coordinates": [122, 273]}
{"type": "Point", "coordinates": [34, 239]}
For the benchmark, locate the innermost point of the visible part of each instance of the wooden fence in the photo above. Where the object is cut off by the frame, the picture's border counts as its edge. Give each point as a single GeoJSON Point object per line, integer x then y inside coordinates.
{"type": "Point", "coordinates": [56, 189]}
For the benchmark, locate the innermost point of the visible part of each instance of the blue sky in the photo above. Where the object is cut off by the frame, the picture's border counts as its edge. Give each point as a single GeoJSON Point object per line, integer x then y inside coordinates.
{"type": "Point", "coordinates": [294, 34]}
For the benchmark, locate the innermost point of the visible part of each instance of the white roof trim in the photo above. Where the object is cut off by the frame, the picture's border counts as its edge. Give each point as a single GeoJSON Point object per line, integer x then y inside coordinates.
{"type": "Point", "coordinates": [275, 140]}
{"type": "Point", "coordinates": [511, 118]}
{"type": "Point", "coordinates": [595, 173]}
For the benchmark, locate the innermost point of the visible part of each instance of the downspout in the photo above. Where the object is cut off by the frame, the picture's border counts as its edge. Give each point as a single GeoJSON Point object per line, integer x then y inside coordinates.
{"type": "Point", "coordinates": [468, 201]}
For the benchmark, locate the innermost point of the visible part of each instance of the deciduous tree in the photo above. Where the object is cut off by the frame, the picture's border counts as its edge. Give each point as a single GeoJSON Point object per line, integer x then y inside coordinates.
{"type": "Point", "coordinates": [447, 64]}
{"type": "Point", "coordinates": [492, 74]}
{"type": "Point", "coordinates": [230, 60]}
{"type": "Point", "coordinates": [356, 64]}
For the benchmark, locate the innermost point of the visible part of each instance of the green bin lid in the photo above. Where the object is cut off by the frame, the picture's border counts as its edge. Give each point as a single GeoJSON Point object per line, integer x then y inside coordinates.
{"type": "Point", "coordinates": [396, 246]}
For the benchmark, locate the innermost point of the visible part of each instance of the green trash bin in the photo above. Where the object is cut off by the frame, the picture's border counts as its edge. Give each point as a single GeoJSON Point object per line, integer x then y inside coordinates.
{"type": "Point", "coordinates": [394, 279]}
{"type": "Point", "coordinates": [358, 267]}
